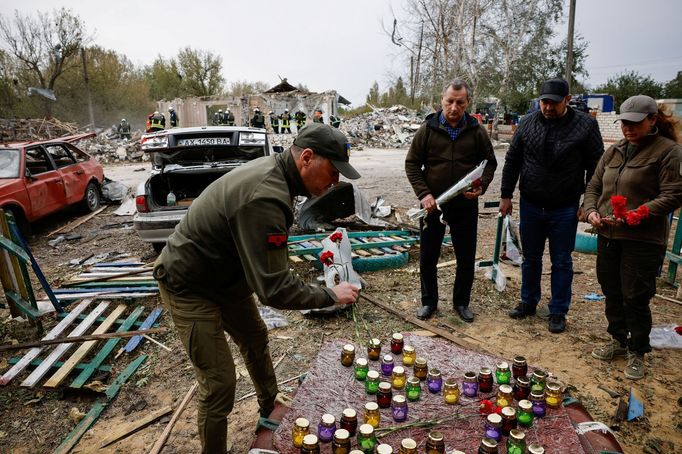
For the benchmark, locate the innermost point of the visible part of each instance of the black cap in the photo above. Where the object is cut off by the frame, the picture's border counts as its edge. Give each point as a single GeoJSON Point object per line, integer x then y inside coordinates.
{"type": "Point", "coordinates": [330, 143]}
{"type": "Point", "coordinates": [554, 89]}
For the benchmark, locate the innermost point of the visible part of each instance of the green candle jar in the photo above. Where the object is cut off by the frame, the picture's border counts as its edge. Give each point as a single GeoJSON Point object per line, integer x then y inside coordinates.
{"type": "Point", "coordinates": [413, 389]}
{"type": "Point", "coordinates": [361, 368]}
{"type": "Point", "coordinates": [525, 414]}
{"type": "Point", "coordinates": [372, 382]}
{"type": "Point", "coordinates": [516, 443]}
{"type": "Point", "coordinates": [502, 373]}
{"type": "Point", "coordinates": [367, 441]}
{"type": "Point", "coordinates": [537, 381]}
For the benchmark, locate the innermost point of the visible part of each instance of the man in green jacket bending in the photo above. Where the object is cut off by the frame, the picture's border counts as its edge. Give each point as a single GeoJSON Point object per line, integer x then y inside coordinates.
{"type": "Point", "coordinates": [231, 245]}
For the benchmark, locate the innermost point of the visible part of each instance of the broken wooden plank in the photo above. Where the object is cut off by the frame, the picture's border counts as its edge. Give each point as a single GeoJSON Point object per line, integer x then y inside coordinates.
{"type": "Point", "coordinates": [108, 347]}
{"type": "Point", "coordinates": [160, 443]}
{"type": "Point", "coordinates": [62, 348]}
{"type": "Point", "coordinates": [620, 414]}
{"type": "Point", "coordinates": [666, 298]}
{"type": "Point", "coordinates": [106, 278]}
{"type": "Point", "coordinates": [84, 349]}
{"type": "Point", "coordinates": [33, 353]}
{"type": "Point", "coordinates": [84, 425]}
{"type": "Point", "coordinates": [130, 429]}
{"type": "Point", "coordinates": [148, 323]}
{"type": "Point", "coordinates": [72, 225]}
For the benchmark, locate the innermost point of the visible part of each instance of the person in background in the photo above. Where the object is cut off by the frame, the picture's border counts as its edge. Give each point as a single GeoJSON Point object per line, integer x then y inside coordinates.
{"type": "Point", "coordinates": [218, 117]}
{"type": "Point", "coordinates": [646, 169]}
{"type": "Point", "coordinates": [173, 117]}
{"type": "Point", "coordinates": [157, 122]}
{"type": "Point", "coordinates": [300, 117]}
{"type": "Point", "coordinates": [148, 123]}
{"type": "Point", "coordinates": [230, 251]}
{"type": "Point", "coordinates": [334, 121]}
{"type": "Point", "coordinates": [258, 120]}
{"type": "Point", "coordinates": [318, 116]}
{"type": "Point", "coordinates": [274, 122]}
{"type": "Point", "coordinates": [286, 122]}
{"type": "Point", "coordinates": [124, 129]}
{"type": "Point", "coordinates": [554, 152]}
{"type": "Point", "coordinates": [229, 118]}
{"type": "Point", "coordinates": [448, 145]}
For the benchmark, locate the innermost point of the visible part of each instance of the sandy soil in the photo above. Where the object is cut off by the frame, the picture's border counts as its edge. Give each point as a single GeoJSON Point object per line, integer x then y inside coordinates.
{"type": "Point", "coordinates": [36, 420]}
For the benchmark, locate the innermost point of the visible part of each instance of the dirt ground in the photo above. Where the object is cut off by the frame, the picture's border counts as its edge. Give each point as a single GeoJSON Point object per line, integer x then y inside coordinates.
{"type": "Point", "coordinates": [36, 420]}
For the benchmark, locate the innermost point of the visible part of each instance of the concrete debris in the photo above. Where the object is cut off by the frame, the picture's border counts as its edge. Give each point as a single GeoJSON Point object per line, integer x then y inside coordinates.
{"type": "Point", "coordinates": [390, 127]}
{"type": "Point", "coordinates": [108, 148]}
{"type": "Point", "coordinates": [25, 129]}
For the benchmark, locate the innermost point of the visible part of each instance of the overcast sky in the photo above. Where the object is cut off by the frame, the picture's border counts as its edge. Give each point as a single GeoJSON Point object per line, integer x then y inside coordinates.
{"type": "Point", "coordinates": [341, 45]}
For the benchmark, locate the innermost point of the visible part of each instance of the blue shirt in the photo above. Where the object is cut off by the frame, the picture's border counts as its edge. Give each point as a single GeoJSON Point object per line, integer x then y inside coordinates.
{"type": "Point", "coordinates": [453, 132]}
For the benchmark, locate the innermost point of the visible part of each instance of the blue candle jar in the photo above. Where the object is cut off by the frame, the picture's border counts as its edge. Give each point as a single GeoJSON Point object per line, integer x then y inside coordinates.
{"type": "Point", "coordinates": [326, 428]}
{"type": "Point", "coordinates": [493, 426]}
{"type": "Point", "coordinates": [399, 408]}
{"type": "Point", "coordinates": [434, 380]}
{"type": "Point", "coordinates": [539, 403]}
{"type": "Point", "coordinates": [387, 365]}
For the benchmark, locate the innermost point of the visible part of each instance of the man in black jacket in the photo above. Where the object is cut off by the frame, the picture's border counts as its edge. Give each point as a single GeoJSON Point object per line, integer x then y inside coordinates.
{"type": "Point", "coordinates": [447, 146]}
{"type": "Point", "coordinates": [554, 151]}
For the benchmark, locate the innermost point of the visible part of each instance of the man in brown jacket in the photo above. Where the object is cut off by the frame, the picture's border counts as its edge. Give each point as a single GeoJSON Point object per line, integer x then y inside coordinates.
{"type": "Point", "coordinates": [448, 145]}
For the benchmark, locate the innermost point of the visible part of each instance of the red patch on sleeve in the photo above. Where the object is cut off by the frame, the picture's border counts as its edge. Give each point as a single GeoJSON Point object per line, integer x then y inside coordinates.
{"type": "Point", "coordinates": [277, 240]}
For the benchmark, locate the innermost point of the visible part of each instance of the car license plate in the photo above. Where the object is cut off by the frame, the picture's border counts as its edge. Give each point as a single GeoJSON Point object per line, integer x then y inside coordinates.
{"type": "Point", "coordinates": [202, 141]}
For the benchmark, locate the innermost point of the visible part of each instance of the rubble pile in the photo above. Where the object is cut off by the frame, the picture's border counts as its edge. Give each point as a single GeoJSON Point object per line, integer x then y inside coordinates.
{"type": "Point", "coordinates": [390, 127]}
{"type": "Point", "coordinates": [108, 148]}
{"type": "Point", "coordinates": [25, 129]}
{"type": "Point", "coordinates": [284, 140]}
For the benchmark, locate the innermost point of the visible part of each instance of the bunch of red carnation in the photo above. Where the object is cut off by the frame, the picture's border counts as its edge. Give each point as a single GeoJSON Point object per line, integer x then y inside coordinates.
{"type": "Point", "coordinates": [621, 213]}
{"type": "Point", "coordinates": [336, 236]}
{"type": "Point", "coordinates": [327, 257]}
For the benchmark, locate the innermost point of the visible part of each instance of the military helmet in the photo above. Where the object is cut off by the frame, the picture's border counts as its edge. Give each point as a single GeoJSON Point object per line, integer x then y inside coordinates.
{"type": "Point", "coordinates": [171, 109]}
{"type": "Point", "coordinates": [220, 110]}
{"type": "Point", "coordinates": [123, 119]}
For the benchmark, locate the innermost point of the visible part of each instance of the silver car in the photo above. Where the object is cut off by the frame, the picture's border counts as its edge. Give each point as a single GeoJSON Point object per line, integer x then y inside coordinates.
{"type": "Point", "coordinates": [185, 162]}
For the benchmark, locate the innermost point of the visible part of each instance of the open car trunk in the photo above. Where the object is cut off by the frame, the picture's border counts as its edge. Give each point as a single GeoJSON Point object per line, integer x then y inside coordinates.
{"type": "Point", "coordinates": [186, 187]}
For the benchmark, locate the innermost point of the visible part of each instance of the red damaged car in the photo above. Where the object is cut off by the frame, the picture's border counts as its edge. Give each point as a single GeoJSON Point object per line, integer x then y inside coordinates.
{"type": "Point", "coordinates": [41, 177]}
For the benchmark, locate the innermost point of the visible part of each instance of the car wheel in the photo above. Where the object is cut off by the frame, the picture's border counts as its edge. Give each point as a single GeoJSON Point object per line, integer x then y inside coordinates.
{"type": "Point", "coordinates": [158, 247]}
{"type": "Point", "coordinates": [91, 200]}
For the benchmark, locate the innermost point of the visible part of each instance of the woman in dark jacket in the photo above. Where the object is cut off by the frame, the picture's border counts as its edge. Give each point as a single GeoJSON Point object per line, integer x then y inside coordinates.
{"type": "Point", "coordinates": [644, 170]}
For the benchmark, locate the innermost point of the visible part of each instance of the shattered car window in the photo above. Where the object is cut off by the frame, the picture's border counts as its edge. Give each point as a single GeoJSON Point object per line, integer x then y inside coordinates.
{"type": "Point", "coordinates": [9, 163]}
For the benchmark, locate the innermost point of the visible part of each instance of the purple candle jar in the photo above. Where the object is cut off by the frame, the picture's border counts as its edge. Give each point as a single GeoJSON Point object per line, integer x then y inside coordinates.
{"type": "Point", "coordinates": [434, 381]}
{"type": "Point", "coordinates": [326, 428]}
{"type": "Point", "coordinates": [470, 384]}
{"type": "Point", "coordinates": [387, 365]}
{"type": "Point", "coordinates": [539, 404]}
{"type": "Point", "coordinates": [493, 426]}
{"type": "Point", "coordinates": [399, 408]}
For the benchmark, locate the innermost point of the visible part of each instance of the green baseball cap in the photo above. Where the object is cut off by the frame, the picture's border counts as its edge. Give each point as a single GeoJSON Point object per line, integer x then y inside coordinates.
{"type": "Point", "coordinates": [330, 143]}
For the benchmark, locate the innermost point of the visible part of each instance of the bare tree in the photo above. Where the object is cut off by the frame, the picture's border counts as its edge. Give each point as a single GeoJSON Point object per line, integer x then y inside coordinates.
{"type": "Point", "coordinates": [47, 45]}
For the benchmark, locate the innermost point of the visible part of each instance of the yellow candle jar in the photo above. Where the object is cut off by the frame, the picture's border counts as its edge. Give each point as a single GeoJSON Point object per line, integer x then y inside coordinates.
{"type": "Point", "coordinates": [409, 355]}
{"type": "Point", "coordinates": [372, 415]}
{"type": "Point", "coordinates": [553, 395]}
{"type": "Point", "coordinates": [398, 378]}
{"type": "Point", "coordinates": [301, 429]}
{"type": "Point", "coordinates": [504, 396]}
{"type": "Point", "coordinates": [451, 391]}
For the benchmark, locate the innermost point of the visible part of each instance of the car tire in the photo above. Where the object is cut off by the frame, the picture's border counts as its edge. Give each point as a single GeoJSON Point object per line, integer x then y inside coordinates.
{"type": "Point", "coordinates": [91, 199]}
{"type": "Point", "coordinates": [158, 247]}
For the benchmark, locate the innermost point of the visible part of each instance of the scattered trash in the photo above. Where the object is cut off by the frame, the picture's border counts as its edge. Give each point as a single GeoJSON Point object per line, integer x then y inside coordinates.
{"type": "Point", "coordinates": [593, 297]}
{"type": "Point", "coordinates": [635, 405]}
{"type": "Point", "coordinates": [511, 244]}
{"type": "Point", "coordinates": [56, 241]}
{"type": "Point", "coordinates": [76, 415]}
{"type": "Point", "coordinates": [127, 208]}
{"type": "Point", "coordinates": [114, 191]}
{"type": "Point", "coordinates": [667, 336]}
{"type": "Point", "coordinates": [272, 318]}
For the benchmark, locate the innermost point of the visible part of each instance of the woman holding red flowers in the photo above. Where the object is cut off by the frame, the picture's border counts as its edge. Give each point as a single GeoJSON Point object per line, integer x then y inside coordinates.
{"type": "Point", "coordinates": [636, 185]}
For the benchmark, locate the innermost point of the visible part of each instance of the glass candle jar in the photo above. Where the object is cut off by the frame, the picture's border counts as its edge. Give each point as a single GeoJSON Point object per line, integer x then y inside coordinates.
{"type": "Point", "coordinates": [502, 373]}
{"type": "Point", "coordinates": [504, 396]}
{"type": "Point", "coordinates": [341, 442]}
{"type": "Point", "coordinates": [361, 368]}
{"type": "Point", "coordinates": [539, 404]}
{"type": "Point", "coordinates": [384, 449]}
{"type": "Point", "coordinates": [553, 394]}
{"type": "Point", "coordinates": [387, 365]}
{"type": "Point", "coordinates": [408, 446]}
{"type": "Point", "coordinates": [487, 446]}
{"type": "Point", "coordinates": [451, 391]}
{"type": "Point", "coordinates": [516, 443]}
{"type": "Point", "coordinates": [521, 388]}
{"type": "Point", "coordinates": [372, 382]}
{"type": "Point", "coordinates": [399, 408]}
{"type": "Point", "coordinates": [384, 395]}
{"type": "Point", "coordinates": [413, 389]}
{"type": "Point", "coordinates": [348, 355]}
{"type": "Point", "coordinates": [397, 343]}
{"type": "Point", "coordinates": [434, 381]}
{"type": "Point", "coordinates": [435, 443]}
{"type": "Point", "coordinates": [421, 369]}
{"type": "Point", "coordinates": [535, 448]}
{"type": "Point", "coordinates": [537, 381]}
{"type": "Point", "coordinates": [356, 451]}
{"type": "Point", "coordinates": [301, 429]}
{"type": "Point", "coordinates": [493, 426]}
{"type": "Point", "coordinates": [398, 377]}
{"type": "Point", "coordinates": [519, 367]}
{"type": "Point", "coordinates": [326, 428]}
{"type": "Point", "coordinates": [525, 414]}
{"type": "Point", "coordinates": [470, 385]}
{"type": "Point", "coordinates": [311, 445]}
{"type": "Point", "coordinates": [367, 441]}
{"type": "Point", "coordinates": [372, 415]}
{"type": "Point", "coordinates": [485, 380]}
{"type": "Point", "coordinates": [349, 421]}
{"type": "Point", "coordinates": [374, 349]}
{"type": "Point", "coordinates": [508, 420]}
{"type": "Point", "coordinates": [409, 355]}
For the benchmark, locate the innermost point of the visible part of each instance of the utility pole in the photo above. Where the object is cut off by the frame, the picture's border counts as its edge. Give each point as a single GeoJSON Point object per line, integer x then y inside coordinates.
{"type": "Point", "coordinates": [569, 42]}
{"type": "Point", "coordinates": [87, 90]}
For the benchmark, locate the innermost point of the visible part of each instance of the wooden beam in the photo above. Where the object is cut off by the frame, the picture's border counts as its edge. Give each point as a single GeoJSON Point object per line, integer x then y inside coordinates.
{"type": "Point", "coordinates": [72, 225]}
{"type": "Point", "coordinates": [88, 337]}
{"type": "Point", "coordinates": [106, 278]}
{"type": "Point", "coordinates": [665, 298]}
{"type": "Point", "coordinates": [133, 427]}
{"type": "Point", "coordinates": [160, 443]}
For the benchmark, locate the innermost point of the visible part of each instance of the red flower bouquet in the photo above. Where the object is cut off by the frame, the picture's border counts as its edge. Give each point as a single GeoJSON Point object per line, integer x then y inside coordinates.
{"type": "Point", "coordinates": [631, 217]}
{"type": "Point", "coordinates": [336, 236]}
{"type": "Point", "coordinates": [327, 258]}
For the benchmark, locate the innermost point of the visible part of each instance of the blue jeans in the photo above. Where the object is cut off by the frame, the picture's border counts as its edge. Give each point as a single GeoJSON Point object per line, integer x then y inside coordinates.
{"type": "Point", "coordinates": [559, 227]}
